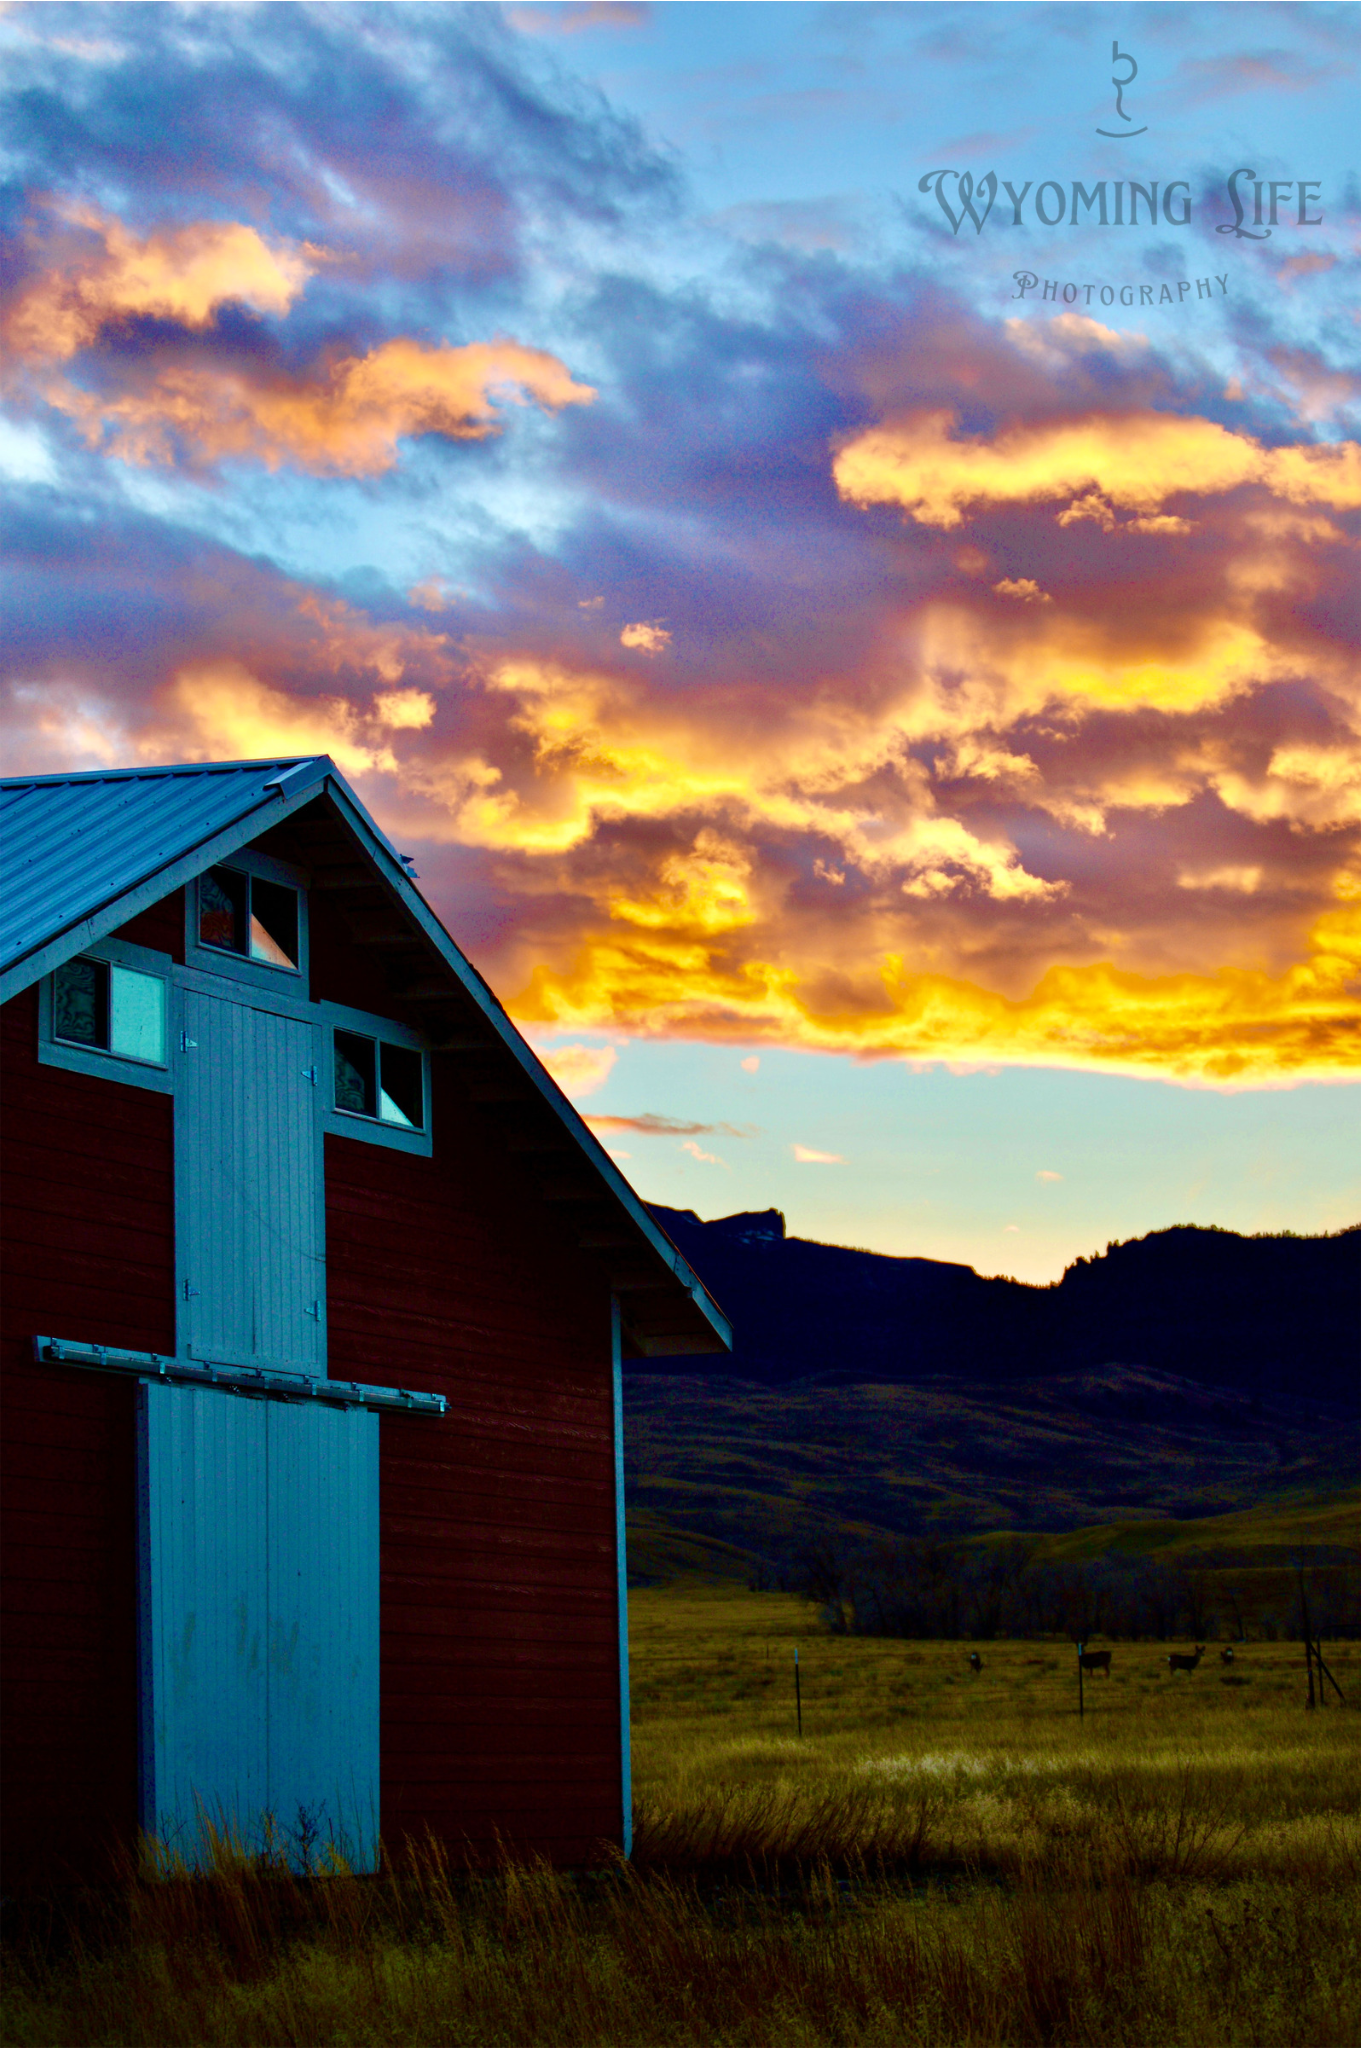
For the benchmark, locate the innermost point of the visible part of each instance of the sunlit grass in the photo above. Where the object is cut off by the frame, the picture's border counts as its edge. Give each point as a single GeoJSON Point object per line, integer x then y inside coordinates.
{"type": "Point", "coordinates": [941, 1858]}
{"type": "Point", "coordinates": [1226, 1768]}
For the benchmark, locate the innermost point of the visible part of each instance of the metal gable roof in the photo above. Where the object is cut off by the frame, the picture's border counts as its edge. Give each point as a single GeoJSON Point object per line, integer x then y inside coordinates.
{"type": "Point", "coordinates": [70, 845]}
{"type": "Point", "coordinates": [80, 854]}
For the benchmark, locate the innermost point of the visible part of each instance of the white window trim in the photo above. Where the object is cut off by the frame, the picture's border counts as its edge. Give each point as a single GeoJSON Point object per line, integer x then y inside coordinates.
{"type": "Point", "coordinates": [236, 966]}
{"type": "Point", "coordinates": [97, 1059]}
{"type": "Point", "coordinates": [344, 1123]}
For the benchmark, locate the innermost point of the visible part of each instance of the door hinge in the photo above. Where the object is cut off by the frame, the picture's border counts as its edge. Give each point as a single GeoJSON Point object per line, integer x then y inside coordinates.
{"type": "Point", "coordinates": [188, 1044]}
{"type": "Point", "coordinates": [189, 1292]}
{"type": "Point", "coordinates": [315, 1310]}
{"type": "Point", "coordinates": [310, 1074]}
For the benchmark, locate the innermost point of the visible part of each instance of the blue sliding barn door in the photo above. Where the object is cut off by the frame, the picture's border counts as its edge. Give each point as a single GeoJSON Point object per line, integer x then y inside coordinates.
{"type": "Point", "coordinates": [259, 1572]}
{"type": "Point", "coordinates": [258, 1517]}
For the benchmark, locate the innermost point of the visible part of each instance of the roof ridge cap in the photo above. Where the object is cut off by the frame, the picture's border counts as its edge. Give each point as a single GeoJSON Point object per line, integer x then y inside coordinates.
{"type": "Point", "coordinates": [151, 771]}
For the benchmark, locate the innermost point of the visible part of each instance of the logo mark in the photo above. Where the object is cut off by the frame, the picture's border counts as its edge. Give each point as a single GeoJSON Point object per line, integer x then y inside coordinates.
{"type": "Point", "coordinates": [967, 192]}
{"type": "Point", "coordinates": [1119, 56]}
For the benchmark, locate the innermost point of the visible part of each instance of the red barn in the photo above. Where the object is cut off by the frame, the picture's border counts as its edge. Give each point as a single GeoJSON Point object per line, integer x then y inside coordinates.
{"type": "Point", "coordinates": [316, 1290]}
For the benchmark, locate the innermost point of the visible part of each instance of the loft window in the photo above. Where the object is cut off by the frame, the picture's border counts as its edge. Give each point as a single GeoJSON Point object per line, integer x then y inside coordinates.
{"type": "Point", "coordinates": [249, 916]}
{"type": "Point", "coordinates": [107, 1008]}
{"type": "Point", "coordinates": [381, 1081]}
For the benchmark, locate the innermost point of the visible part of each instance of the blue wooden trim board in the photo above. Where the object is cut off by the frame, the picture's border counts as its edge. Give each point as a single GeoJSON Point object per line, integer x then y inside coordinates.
{"type": "Point", "coordinates": [242, 1379]}
{"type": "Point", "coordinates": [622, 1566]}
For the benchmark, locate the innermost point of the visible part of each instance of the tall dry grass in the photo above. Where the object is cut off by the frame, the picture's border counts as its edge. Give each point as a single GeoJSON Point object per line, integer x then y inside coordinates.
{"type": "Point", "coordinates": [959, 1862]}
{"type": "Point", "coordinates": [1072, 1951]}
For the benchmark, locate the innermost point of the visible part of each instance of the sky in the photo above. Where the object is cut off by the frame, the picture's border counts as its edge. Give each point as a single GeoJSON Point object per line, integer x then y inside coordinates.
{"type": "Point", "coordinates": [830, 533]}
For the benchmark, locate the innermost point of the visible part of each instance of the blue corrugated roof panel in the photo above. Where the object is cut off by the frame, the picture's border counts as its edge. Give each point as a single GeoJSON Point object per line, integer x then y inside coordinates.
{"type": "Point", "coordinates": [69, 844]}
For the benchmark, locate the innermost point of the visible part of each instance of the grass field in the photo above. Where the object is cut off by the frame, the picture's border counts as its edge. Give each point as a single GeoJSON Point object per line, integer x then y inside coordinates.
{"type": "Point", "coordinates": [943, 1857]}
{"type": "Point", "coordinates": [999, 1763]}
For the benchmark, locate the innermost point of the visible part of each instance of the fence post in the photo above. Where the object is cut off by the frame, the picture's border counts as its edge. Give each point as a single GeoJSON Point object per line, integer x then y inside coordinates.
{"type": "Point", "coordinates": [1308, 1644]}
{"type": "Point", "coordinates": [1079, 1682]}
{"type": "Point", "coordinates": [798, 1695]}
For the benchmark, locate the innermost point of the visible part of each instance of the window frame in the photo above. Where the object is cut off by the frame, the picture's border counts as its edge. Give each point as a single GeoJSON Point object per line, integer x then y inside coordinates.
{"type": "Point", "coordinates": [349, 1123]}
{"type": "Point", "coordinates": [100, 1060]}
{"type": "Point", "coordinates": [239, 966]}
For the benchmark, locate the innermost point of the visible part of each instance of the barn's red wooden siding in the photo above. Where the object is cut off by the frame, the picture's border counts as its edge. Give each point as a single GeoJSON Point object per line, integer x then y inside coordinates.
{"type": "Point", "coordinates": [86, 1251]}
{"type": "Point", "coordinates": [500, 1687]}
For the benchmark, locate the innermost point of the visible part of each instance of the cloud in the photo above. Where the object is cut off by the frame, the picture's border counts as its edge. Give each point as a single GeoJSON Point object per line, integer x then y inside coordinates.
{"type": "Point", "coordinates": [750, 1064]}
{"type": "Point", "coordinates": [806, 1156]}
{"type": "Point", "coordinates": [1138, 461]}
{"type": "Point", "coordinates": [100, 274]}
{"type": "Point", "coordinates": [1063, 767]}
{"type": "Point", "coordinates": [1242, 879]}
{"type": "Point", "coordinates": [657, 863]}
{"type": "Point", "coordinates": [650, 1126]}
{"type": "Point", "coordinates": [221, 711]}
{"type": "Point", "coordinates": [1045, 1176]}
{"type": "Point", "coordinates": [574, 17]}
{"type": "Point", "coordinates": [431, 152]}
{"type": "Point", "coordinates": [404, 710]}
{"type": "Point", "coordinates": [344, 417]}
{"type": "Point", "coordinates": [579, 1069]}
{"type": "Point", "coordinates": [708, 1158]}
{"type": "Point", "coordinates": [648, 639]}
{"type": "Point", "coordinates": [1232, 1027]}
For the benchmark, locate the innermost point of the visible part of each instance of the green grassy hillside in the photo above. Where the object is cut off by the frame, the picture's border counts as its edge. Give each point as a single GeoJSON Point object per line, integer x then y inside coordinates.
{"type": "Point", "coordinates": [1274, 1534]}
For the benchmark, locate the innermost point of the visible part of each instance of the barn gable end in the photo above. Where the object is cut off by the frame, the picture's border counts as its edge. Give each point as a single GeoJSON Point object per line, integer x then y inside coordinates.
{"type": "Point", "coordinates": [486, 1258]}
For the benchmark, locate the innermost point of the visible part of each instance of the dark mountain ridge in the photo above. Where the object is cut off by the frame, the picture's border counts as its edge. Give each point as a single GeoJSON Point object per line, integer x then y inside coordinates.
{"type": "Point", "coordinates": [1272, 1317]}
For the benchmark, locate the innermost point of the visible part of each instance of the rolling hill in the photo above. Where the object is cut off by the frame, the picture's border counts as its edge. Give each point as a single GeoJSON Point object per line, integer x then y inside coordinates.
{"type": "Point", "coordinates": [1190, 1374]}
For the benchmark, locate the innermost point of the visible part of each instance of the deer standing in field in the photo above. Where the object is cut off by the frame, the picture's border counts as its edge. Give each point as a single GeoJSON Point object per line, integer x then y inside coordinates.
{"type": "Point", "coordinates": [975, 1661]}
{"type": "Point", "coordinates": [1178, 1660]}
{"type": "Point", "coordinates": [1095, 1660]}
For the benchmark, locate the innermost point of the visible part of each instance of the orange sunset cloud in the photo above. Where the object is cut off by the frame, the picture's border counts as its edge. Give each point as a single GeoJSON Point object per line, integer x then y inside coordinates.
{"type": "Point", "coordinates": [1135, 462]}
{"type": "Point", "coordinates": [183, 275]}
{"type": "Point", "coordinates": [1082, 792]}
{"type": "Point", "coordinates": [342, 416]}
{"type": "Point", "coordinates": [674, 851]}
{"type": "Point", "coordinates": [343, 419]}
{"type": "Point", "coordinates": [1231, 1027]}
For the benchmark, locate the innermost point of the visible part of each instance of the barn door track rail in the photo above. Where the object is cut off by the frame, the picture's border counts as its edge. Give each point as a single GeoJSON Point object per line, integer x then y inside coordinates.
{"type": "Point", "coordinates": [241, 1379]}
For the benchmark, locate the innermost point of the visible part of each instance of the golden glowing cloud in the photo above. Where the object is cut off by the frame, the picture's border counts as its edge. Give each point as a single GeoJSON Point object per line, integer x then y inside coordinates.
{"type": "Point", "coordinates": [182, 274]}
{"type": "Point", "coordinates": [404, 710]}
{"type": "Point", "coordinates": [980, 672]}
{"type": "Point", "coordinates": [1318, 786]}
{"type": "Point", "coordinates": [648, 639]}
{"type": "Point", "coordinates": [1137, 461]}
{"type": "Point", "coordinates": [605, 752]}
{"type": "Point", "coordinates": [220, 711]}
{"type": "Point", "coordinates": [579, 1069]}
{"type": "Point", "coordinates": [344, 419]}
{"type": "Point", "coordinates": [1235, 1027]}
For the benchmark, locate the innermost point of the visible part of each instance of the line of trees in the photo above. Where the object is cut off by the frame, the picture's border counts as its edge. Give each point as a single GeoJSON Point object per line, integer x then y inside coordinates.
{"type": "Point", "coordinates": [925, 1589]}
